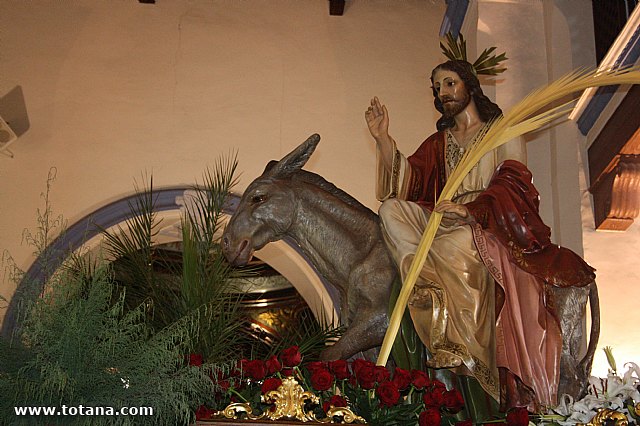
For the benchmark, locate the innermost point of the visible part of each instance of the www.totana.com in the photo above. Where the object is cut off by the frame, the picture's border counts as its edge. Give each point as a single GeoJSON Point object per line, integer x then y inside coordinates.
{"type": "Point", "coordinates": [81, 410]}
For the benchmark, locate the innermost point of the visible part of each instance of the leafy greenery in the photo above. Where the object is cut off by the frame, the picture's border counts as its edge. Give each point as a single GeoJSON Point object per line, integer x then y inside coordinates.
{"type": "Point", "coordinates": [120, 333]}
{"type": "Point", "coordinates": [196, 285]}
{"type": "Point", "coordinates": [77, 346]}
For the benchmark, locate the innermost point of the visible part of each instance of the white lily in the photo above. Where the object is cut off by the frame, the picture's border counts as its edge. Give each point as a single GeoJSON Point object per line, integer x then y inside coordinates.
{"type": "Point", "coordinates": [577, 417]}
{"type": "Point", "coordinates": [612, 392]}
{"type": "Point", "coordinates": [632, 376]}
{"type": "Point", "coordinates": [565, 407]}
{"type": "Point", "coordinates": [571, 413]}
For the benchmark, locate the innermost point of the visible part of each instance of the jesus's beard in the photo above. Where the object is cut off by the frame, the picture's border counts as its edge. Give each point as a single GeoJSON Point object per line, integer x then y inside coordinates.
{"type": "Point", "coordinates": [455, 106]}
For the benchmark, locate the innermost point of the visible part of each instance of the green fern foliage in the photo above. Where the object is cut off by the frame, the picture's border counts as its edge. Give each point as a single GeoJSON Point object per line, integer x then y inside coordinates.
{"type": "Point", "coordinates": [77, 346]}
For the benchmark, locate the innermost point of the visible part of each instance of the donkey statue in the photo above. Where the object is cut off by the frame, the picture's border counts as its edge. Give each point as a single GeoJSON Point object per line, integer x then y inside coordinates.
{"type": "Point", "coordinates": [340, 236]}
{"type": "Point", "coordinates": [343, 240]}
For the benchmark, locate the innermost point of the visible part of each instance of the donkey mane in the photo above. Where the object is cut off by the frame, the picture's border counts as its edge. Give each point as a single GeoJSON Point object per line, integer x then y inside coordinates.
{"type": "Point", "coordinates": [322, 183]}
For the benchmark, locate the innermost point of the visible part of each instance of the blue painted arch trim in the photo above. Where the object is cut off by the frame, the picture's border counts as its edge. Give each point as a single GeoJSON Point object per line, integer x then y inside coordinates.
{"type": "Point", "coordinates": [454, 17]}
{"type": "Point", "coordinates": [628, 57]}
{"type": "Point", "coordinates": [32, 284]}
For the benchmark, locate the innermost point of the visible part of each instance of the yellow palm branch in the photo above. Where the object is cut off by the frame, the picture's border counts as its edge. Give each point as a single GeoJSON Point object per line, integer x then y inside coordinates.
{"type": "Point", "coordinates": [522, 118]}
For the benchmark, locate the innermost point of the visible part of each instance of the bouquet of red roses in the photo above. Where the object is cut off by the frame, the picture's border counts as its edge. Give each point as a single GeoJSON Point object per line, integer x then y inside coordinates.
{"type": "Point", "coordinates": [381, 397]}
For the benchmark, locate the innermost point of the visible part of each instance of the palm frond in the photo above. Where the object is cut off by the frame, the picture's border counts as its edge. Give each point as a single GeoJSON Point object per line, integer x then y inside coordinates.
{"type": "Point", "coordinates": [524, 117]}
{"type": "Point", "coordinates": [81, 340]}
{"type": "Point", "coordinates": [206, 287]}
{"type": "Point", "coordinates": [455, 48]}
{"type": "Point", "coordinates": [488, 64]}
{"type": "Point", "coordinates": [530, 114]}
{"type": "Point", "coordinates": [196, 286]}
{"type": "Point", "coordinates": [131, 248]}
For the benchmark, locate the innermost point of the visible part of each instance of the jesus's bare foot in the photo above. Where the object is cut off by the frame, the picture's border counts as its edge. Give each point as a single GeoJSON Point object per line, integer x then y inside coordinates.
{"type": "Point", "coordinates": [443, 359]}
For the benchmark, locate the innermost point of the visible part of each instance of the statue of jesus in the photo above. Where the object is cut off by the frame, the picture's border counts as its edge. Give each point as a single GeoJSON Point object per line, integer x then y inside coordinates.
{"type": "Point", "coordinates": [481, 304]}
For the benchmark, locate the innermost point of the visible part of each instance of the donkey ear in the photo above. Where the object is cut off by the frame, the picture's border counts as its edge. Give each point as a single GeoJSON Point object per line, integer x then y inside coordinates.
{"type": "Point", "coordinates": [294, 160]}
{"type": "Point", "coordinates": [269, 166]}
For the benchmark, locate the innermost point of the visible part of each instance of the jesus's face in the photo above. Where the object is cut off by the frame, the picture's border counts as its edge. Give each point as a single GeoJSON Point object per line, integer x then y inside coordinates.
{"type": "Point", "coordinates": [451, 91]}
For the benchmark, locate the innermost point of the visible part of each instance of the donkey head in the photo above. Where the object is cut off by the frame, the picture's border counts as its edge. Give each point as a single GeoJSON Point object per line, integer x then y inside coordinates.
{"type": "Point", "coordinates": [267, 208]}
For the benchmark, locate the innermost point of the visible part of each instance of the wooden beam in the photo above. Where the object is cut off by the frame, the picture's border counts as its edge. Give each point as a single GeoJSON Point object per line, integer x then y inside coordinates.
{"type": "Point", "coordinates": [615, 136]}
{"type": "Point", "coordinates": [616, 197]}
{"type": "Point", "coordinates": [336, 7]}
{"type": "Point", "coordinates": [614, 167]}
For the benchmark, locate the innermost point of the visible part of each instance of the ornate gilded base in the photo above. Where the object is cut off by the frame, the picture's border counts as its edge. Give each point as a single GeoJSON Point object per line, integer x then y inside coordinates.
{"type": "Point", "coordinates": [289, 402]}
{"type": "Point", "coordinates": [606, 415]}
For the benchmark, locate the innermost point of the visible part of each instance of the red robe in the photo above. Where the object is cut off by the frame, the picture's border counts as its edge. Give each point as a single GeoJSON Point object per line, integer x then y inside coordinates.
{"type": "Point", "coordinates": [509, 209]}
{"type": "Point", "coordinates": [515, 246]}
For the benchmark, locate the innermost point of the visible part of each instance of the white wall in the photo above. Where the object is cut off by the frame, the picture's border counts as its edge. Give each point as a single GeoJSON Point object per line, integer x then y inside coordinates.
{"type": "Point", "coordinates": [114, 89]}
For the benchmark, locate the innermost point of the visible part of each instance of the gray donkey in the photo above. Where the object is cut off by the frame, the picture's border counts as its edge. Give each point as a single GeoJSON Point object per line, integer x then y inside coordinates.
{"type": "Point", "coordinates": [340, 236]}
{"type": "Point", "coordinates": [343, 240]}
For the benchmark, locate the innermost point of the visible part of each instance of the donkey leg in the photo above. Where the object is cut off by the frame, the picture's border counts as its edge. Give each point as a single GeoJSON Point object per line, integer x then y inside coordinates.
{"type": "Point", "coordinates": [367, 300]}
{"type": "Point", "coordinates": [570, 304]}
{"type": "Point", "coordinates": [584, 367]}
{"type": "Point", "coordinates": [366, 332]}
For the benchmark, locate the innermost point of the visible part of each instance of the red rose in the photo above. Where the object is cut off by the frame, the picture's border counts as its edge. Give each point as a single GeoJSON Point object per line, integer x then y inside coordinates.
{"type": "Point", "coordinates": [518, 417]}
{"type": "Point", "coordinates": [419, 379]}
{"type": "Point", "coordinates": [359, 364]}
{"type": "Point", "coordinates": [465, 423]}
{"type": "Point", "coordinates": [437, 384]}
{"type": "Point", "coordinates": [382, 374]}
{"type": "Point", "coordinates": [430, 417]}
{"type": "Point", "coordinates": [388, 394]}
{"type": "Point", "coordinates": [272, 383]}
{"type": "Point", "coordinates": [287, 372]}
{"type": "Point", "coordinates": [453, 401]}
{"type": "Point", "coordinates": [321, 380]}
{"type": "Point", "coordinates": [366, 375]}
{"type": "Point", "coordinates": [433, 398]}
{"type": "Point", "coordinates": [273, 365]}
{"type": "Point", "coordinates": [338, 401]}
{"type": "Point", "coordinates": [314, 366]}
{"type": "Point", "coordinates": [195, 359]}
{"type": "Point", "coordinates": [340, 369]}
{"type": "Point", "coordinates": [334, 401]}
{"type": "Point", "coordinates": [291, 357]}
{"type": "Point", "coordinates": [255, 369]}
{"type": "Point", "coordinates": [402, 378]}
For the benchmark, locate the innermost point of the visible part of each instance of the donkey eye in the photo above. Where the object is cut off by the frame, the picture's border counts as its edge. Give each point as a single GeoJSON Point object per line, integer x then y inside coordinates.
{"type": "Point", "coordinates": [258, 198]}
